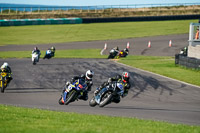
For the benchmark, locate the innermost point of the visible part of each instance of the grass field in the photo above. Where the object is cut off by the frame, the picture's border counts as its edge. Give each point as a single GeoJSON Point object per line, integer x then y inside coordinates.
{"type": "Point", "coordinates": [163, 66]}
{"type": "Point", "coordinates": [44, 34]}
{"type": "Point", "coordinates": [18, 120]}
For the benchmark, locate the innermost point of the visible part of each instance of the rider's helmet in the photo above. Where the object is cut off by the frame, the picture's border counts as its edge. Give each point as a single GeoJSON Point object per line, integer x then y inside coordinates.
{"type": "Point", "coordinates": [125, 76]}
{"type": "Point", "coordinates": [36, 48]}
{"type": "Point", "coordinates": [53, 48]}
{"type": "Point", "coordinates": [4, 66]}
{"type": "Point", "coordinates": [126, 49]}
{"type": "Point", "coordinates": [116, 48]}
{"type": "Point", "coordinates": [89, 74]}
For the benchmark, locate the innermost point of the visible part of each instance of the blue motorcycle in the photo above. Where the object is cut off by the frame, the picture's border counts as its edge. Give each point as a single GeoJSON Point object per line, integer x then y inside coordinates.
{"type": "Point", "coordinates": [49, 54]}
{"type": "Point", "coordinates": [72, 92]}
{"type": "Point", "coordinates": [108, 94]}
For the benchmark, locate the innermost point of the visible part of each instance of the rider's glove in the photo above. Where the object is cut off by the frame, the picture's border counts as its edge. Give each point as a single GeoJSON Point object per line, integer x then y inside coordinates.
{"type": "Point", "coordinates": [109, 80]}
{"type": "Point", "coordinates": [96, 91]}
{"type": "Point", "coordinates": [67, 83]}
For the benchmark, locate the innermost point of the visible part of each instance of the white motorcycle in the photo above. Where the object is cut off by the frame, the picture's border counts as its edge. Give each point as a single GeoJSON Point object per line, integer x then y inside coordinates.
{"type": "Point", "coordinates": [35, 58]}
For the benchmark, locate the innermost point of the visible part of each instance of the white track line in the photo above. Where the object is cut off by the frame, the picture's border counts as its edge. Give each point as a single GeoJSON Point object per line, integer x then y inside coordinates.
{"type": "Point", "coordinates": [156, 74]}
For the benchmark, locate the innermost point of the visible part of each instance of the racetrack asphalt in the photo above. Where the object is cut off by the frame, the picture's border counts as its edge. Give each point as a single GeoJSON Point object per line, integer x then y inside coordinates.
{"type": "Point", "coordinates": [151, 96]}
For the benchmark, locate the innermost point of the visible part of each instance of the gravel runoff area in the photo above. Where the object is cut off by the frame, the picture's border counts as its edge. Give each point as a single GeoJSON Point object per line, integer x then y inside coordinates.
{"type": "Point", "coordinates": [151, 96]}
{"type": "Point", "coordinates": [138, 46]}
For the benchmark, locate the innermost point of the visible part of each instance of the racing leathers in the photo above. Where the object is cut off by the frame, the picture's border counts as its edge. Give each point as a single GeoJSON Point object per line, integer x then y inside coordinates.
{"type": "Point", "coordinates": [117, 78]}
{"type": "Point", "coordinates": [8, 71]}
{"type": "Point", "coordinates": [37, 51]}
{"type": "Point", "coordinates": [88, 82]}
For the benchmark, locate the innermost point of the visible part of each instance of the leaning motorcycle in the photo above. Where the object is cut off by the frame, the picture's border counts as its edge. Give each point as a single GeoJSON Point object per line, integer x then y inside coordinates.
{"type": "Point", "coordinates": [4, 81]}
{"type": "Point", "coordinates": [122, 54]}
{"type": "Point", "coordinates": [35, 58]}
{"type": "Point", "coordinates": [108, 94]}
{"type": "Point", "coordinates": [72, 92]}
{"type": "Point", "coordinates": [48, 54]}
{"type": "Point", "coordinates": [112, 54]}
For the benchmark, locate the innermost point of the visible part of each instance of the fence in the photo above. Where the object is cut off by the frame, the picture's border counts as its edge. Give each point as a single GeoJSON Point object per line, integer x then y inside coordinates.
{"type": "Point", "coordinates": [194, 8]}
{"type": "Point", "coordinates": [187, 61]}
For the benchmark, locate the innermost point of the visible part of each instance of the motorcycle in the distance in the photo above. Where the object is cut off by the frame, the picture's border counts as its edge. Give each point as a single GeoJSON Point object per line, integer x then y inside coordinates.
{"type": "Point", "coordinates": [122, 53]}
{"type": "Point", "coordinates": [49, 54]}
{"type": "Point", "coordinates": [72, 92]}
{"type": "Point", "coordinates": [108, 94]}
{"type": "Point", "coordinates": [35, 58]}
{"type": "Point", "coordinates": [3, 81]}
{"type": "Point", "coordinates": [113, 53]}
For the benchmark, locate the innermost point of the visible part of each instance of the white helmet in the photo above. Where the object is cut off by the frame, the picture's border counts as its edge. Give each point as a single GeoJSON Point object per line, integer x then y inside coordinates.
{"type": "Point", "coordinates": [89, 74]}
{"type": "Point", "coordinates": [5, 65]}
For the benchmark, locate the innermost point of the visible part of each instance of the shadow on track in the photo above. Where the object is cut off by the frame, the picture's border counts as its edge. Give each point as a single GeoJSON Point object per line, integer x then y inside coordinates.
{"type": "Point", "coordinates": [154, 109]}
{"type": "Point", "coordinates": [143, 83]}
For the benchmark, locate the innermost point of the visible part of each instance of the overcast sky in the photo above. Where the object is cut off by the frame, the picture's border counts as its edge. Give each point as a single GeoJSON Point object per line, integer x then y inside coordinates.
{"type": "Point", "coordinates": [95, 2]}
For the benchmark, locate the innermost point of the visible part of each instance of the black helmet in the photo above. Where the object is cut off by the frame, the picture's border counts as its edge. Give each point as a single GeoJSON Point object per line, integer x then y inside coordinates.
{"type": "Point", "coordinates": [53, 48]}
{"type": "Point", "coordinates": [36, 48]}
{"type": "Point", "coordinates": [126, 49]}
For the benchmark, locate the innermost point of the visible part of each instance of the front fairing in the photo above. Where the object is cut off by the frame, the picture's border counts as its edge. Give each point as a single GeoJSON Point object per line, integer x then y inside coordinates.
{"type": "Point", "coordinates": [102, 92]}
{"type": "Point", "coordinates": [77, 85]}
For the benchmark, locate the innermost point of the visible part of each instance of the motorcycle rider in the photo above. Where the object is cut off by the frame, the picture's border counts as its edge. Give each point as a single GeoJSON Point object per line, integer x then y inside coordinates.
{"type": "Point", "coordinates": [114, 52]}
{"type": "Point", "coordinates": [87, 78]}
{"type": "Point", "coordinates": [53, 51]}
{"type": "Point", "coordinates": [124, 52]}
{"type": "Point", "coordinates": [124, 78]}
{"type": "Point", "coordinates": [50, 53]}
{"type": "Point", "coordinates": [47, 54]}
{"type": "Point", "coordinates": [6, 68]}
{"type": "Point", "coordinates": [37, 51]}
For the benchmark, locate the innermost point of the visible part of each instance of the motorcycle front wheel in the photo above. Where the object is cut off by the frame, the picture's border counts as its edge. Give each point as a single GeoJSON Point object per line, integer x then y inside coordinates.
{"type": "Point", "coordinates": [106, 99]}
{"type": "Point", "coordinates": [34, 62]}
{"type": "Point", "coordinates": [71, 96]}
{"type": "Point", "coordinates": [2, 86]}
{"type": "Point", "coordinates": [92, 102]}
{"type": "Point", "coordinates": [60, 102]}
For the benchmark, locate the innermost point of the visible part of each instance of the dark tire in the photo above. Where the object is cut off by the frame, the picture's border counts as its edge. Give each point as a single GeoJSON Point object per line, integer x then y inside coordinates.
{"type": "Point", "coordinates": [59, 101]}
{"type": "Point", "coordinates": [109, 57]}
{"type": "Point", "coordinates": [3, 87]}
{"type": "Point", "coordinates": [71, 97]}
{"type": "Point", "coordinates": [34, 62]}
{"type": "Point", "coordinates": [92, 102]}
{"type": "Point", "coordinates": [106, 99]}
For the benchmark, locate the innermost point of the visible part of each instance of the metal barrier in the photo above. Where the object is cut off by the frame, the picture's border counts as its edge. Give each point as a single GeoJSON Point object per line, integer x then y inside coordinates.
{"type": "Point", "coordinates": [19, 22]}
{"type": "Point", "coordinates": [187, 62]}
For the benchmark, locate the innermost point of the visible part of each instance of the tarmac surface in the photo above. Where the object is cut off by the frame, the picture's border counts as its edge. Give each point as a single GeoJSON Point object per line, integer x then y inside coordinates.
{"type": "Point", "coordinates": [151, 96]}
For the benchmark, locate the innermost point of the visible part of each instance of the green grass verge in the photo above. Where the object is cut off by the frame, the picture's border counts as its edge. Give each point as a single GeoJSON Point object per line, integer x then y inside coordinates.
{"type": "Point", "coordinates": [163, 66]}
{"type": "Point", "coordinates": [26, 120]}
{"type": "Point", "coordinates": [76, 53]}
{"type": "Point", "coordinates": [44, 34]}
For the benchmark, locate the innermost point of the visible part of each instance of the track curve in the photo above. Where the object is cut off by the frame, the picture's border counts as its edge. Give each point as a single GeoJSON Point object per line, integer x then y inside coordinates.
{"type": "Point", "coordinates": [151, 96]}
